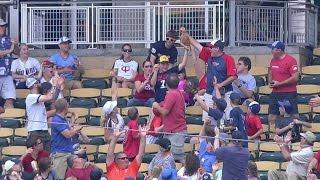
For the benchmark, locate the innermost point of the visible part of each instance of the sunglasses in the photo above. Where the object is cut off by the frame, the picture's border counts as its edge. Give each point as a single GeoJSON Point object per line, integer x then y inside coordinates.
{"type": "Point", "coordinates": [127, 50]}
{"type": "Point", "coordinates": [123, 158]}
{"type": "Point", "coordinates": [148, 66]}
{"type": "Point", "coordinates": [170, 39]}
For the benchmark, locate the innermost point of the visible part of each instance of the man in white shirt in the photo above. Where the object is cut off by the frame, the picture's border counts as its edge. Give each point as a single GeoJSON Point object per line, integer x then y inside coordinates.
{"type": "Point", "coordinates": [37, 124]}
{"type": "Point", "coordinates": [299, 161]}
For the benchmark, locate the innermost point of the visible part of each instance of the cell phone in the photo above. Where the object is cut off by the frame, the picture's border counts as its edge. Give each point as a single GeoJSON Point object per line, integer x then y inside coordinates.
{"type": "Point", "coordinates": [272, 82]}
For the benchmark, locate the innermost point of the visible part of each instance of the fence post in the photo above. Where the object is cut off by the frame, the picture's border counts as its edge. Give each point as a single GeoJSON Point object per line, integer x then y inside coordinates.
{"type": "Point", "coordinates": [232, 22]}
{"type": "Point", "coordinates": [24, 23]}
{"type": "Point", "coordinates": [147, 26]}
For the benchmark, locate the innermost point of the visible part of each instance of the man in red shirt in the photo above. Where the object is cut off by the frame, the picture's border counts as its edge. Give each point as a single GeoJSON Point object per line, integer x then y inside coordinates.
{"type": "Point", "coordinates": [283, 77]}
{"type": "Point", "coordinates": [172, 110]}
{"type": "Point", "coordinates": [118, 165]}
{"type": "Point", "coordinates": [35, 153]}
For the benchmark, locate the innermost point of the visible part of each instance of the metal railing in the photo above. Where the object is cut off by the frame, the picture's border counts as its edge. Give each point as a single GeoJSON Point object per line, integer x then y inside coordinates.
{"type": "Point", "coordinates": [95, 24]}
{"type": "Point", "coordinates": [145, 22]}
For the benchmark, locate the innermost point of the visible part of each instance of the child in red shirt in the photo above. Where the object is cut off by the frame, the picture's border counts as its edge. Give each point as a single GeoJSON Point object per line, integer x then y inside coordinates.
{"type": "Point", "coordinates": [252, 121]}
{"type": "Point", "coordinates": [132, 138]}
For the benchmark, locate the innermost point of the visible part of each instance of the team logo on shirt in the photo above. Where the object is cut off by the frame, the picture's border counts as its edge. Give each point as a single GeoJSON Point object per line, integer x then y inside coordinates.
{"type": "Point", "coordinates": [125, 69]}
{"type": "Point", "coordinates": [215, 63]}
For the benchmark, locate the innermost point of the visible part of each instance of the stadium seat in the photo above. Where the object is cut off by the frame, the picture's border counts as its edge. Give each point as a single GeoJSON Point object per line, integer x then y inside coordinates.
{"type": "Point", "coordinates": [91, 150]}
{"type": "Point", "coordinates": [95, 83]}
{"type": "Point", "coordinates": [20, 132]}
{"type": "Point", "coordinates": [269, 147]}
{"type": "Point", "coordinates": [260, 81]}
{"type": "Point", "coordinates": [95, 112]}
{"type": "Point", "coordinates": [97, 141]}
{"type": "Point", "coordinates": [143, 111]}
{"type": "Point", "coordinates": [309, 79]}
{"type": "Point", "coordinates": [267, 165]}
{"type": "Point", "coordinates": [121, 102]}
{"type": "Point", "coordinates": [19, 141]}
{"type": "Point", "coordinates": [264, 90]}
{"type": "Point", "coordinates": [316, 52]}
{"type": "Point", "coordinates": [194, 111]}
{"type": "Point", "coordinates": [193, 129]}
{"type": "Point", "coordinates": [93, 131]}
{"type": "Point", "coordinates": [14, 113]}
{"type": "Point", "coordinates": [85, 93]}
{"type": "Point", "coordinates": [96, 74]}
{"type": "Point", "coordinates": [101, 158]}
{"type": "Point", "coordinates": [10, 123]}
{"type": "Point", "coordinates": [121, 92]}
{"type": "Point", "coordinates": [271, 156]}
{"type": "Point", "coordinates": [284, 165]}
{"type": "Point", "coordinates": [264, 99]}
{"type": "Point", "coordinates": [308, 89]}
{"type": "Point", "coordinates": [147, 158]}
{"type": "Point", "coordinates": [83, 103]}
{"type": "Point", "coordinates": [82, 113]}
{"type": "Point", "coordinates": [19, 103]}
{"type": "Point", "coordinates": [316, 146]}
{"type": "Point", "coordinates": [103, 149]}
{"type": "Point", "coordinates": [263, 109]}
{"type": "Point", "coordinates": [310, 70]}
{"type": "Point", "coordinates": [194, 120]}
{"type": "Point", "coordinates": [6, 132]}
{"type": "Point", "coordinates": [4, 142]}
{"type": "Point", "coordinates": [14, 150]}
{"type": "Point", "coordinates": [259, 71]}
{"type": "Point", "coordinates": [143, 168]}
{"type": "Point", "coordinates": [94, 121]}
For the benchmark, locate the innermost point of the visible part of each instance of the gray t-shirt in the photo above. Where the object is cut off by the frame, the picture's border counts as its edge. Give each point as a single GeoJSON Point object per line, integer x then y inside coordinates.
{"type": "Point", "coordinates": [247, 81]}
{"type": "Point", "coordinates": [164, 162]}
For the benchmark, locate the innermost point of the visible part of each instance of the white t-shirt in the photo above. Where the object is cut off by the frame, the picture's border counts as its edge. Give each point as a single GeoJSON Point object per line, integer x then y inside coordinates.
{"type": "Point", "coordinates": [181, 175]}
{"type": "Point", "coordinates": [119, 125]}
{"type": "Point", "coordinates": [36, 113]}
{"type": "Point", "coordinates": [29, 68]}
{"type": "Point", "coordinates": [126, 69]}
{"type": "Point", "coordinates": [42, 80]}
{"type": "Point", "coordinates": [247, 81]}
{"type": "Point", "coordinates": [300, 161]}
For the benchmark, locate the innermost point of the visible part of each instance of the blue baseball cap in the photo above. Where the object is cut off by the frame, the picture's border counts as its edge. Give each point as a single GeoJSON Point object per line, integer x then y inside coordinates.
{"type": "Point", "coordinates": [254, 106]}
{"type": "Point", "coordinates": [286, 105]}
{"type": "Point", "coordinates": [168, 174]}
{"type": "Point", "coordinates": [235, 96]}
{"type": "Point", "coordinates": [277, 45]}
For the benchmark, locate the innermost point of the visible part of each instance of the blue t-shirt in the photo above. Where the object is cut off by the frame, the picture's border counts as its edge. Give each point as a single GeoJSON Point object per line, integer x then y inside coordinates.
{"type": "Point", "coordinates": [237, 119]}
{"type": "Point", "coordinates": [206, 158]}
{"type": "Point", "coordinates": [61, 62]}
{"type": "Point", "coordinates": [217, 67]}
{"type": "Point", "coordinates": [160, 87]}
{"type": "Point", "coordinates": [5, 62]}
{"type": "Point", "coordinates": [59, 143]}
{"type": "Point", "coordinates": [158, 48]}
{"type": "Point", "coordinates": [235, 162]}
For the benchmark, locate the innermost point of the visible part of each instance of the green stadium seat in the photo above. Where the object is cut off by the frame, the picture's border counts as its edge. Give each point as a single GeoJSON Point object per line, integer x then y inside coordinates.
{"type": "Point", "coordinates": [19, 141]}
{"type": "Point", "coordinates": [271, 156]}
{"type": "Point", "coordinates": [94, 83]}
{"type": "Point", "coordinates": [10, 123]}
{"type": "Point", "coordinates": [310, 79]}
{"type": "Point", "coordinates": [83, 103]}
{"type": "Point", "coordinates": [97, 141]}
{"type": "Point", "coordinates": [260, 81]}
{"type": "Point", "coordinates": [94, 121]}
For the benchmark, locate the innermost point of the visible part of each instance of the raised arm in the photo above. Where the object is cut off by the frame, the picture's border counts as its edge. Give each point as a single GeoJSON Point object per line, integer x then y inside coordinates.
{"type": "Point", "coordinates": [201, 103]}
{"type": "Point", "coordinates": [142, 146]}
{"type": "Point", "coordinates": [184, 60]}
{"type": "Point", "coordinates": [193, 42]}
{"type": "Point", "coordinates": [153, 80]}
{"type": "Point", "coordinates": [112, 146]}
{"type": "Point", "coordinates": [114, 93]}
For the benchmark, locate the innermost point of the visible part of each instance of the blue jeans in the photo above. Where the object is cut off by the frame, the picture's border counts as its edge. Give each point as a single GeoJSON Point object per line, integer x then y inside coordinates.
{"type": "Point", "coordinates": [138, 102]}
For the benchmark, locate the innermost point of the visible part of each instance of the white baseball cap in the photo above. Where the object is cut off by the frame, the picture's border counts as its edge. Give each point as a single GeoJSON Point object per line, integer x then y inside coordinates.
{"type": "Point", "coordinates": [64, 39]}
{"type": "Point", "coordinates": [2, 22]}
{"type": "Point", "coordinates": [30, 82]}
{"type": "Point", "coordinates": [109, 106]}
{"type": "Point", "coordinates": [8, 165]}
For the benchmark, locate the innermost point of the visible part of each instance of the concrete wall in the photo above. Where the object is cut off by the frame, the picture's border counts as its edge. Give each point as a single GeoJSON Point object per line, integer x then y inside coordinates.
{"type": "Point", "coordinates": [98, 58]}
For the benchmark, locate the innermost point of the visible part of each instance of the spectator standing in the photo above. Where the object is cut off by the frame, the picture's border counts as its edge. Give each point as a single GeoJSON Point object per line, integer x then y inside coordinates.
{"type": "Point", "coordinates": [144, 94]}
{"type": "Point", "coordinates": [62, 138]}
{"type": "Point", "coordinates": [68, 65]}
{"type": "Point", "coordinates": [220, 66]}
{"type": "Point", "coordinates": [125, 69]}
{"type": "Point", "coordinates": [299, 161]}
{"type": "Point", "coordinates": [166, 48]}
{"type": "Point", "coordinates": [34, 153]}
{"type": "Point", "coordinates": [24, 67]}
{"type": "Point", "coordinates": [161, 72]}
{"type": "Point", "coordinates": [78, 168]}
{"type": "Point", "coordinates": [118, 165]}
{"type": "Point", "coordinates": [282, 77]}
{"type": "Point", "coordinates": [172, 111]}
{"type": "Point", "coordinates": [253, 122]}
{"type": "Point", "coordinates": [245, 84]}
{"type": "Point", "coordinates": [37, 124]}
{"type": "Point", "coordinates": [7, 45]}
{"type": "Point", "coordinates": [132, 138]}
{"type": "Point", "coordinates": [164, 157]}
{"type": "Point", "coordinates": [234, 157]}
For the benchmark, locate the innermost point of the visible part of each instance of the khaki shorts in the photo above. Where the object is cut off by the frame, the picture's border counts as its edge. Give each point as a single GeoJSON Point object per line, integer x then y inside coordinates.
{"type": "Point", "coordinates": [59, 161]}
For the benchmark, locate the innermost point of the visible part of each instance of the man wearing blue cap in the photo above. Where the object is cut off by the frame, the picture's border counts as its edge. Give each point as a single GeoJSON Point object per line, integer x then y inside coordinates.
{"type": "Point", "coordinates": [283, 77]}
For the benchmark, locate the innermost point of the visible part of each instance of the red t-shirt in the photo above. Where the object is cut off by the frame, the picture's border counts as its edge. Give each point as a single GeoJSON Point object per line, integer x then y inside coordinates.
{"type": "Point", "coordinates": [203, 82]}
{"type": "Point", "coordinates": [155, 123]}
{"type": "Point", "coordinates": [282, 69]}
{"type": "Point", "coordinates": [26, 161]}
{"type": "Point", "coordinates": [132, 140]}
{"type": "Point", "coordinates": [147, 92]}
{"type": "Point", "coordinates": [175, 120]}
{"type": "Point", "coordinates": [114, 173]}
{"type": "Point", "coordinates": [317, 156]}
{"type": "Point", "coordinates": [80, 173]}
{"type": "Point", "coordinates": [253, 124]}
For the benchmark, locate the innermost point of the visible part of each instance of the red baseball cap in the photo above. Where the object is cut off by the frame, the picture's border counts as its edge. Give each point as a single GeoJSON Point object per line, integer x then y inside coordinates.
{"type": "Point", "coordinates": [47, 63]}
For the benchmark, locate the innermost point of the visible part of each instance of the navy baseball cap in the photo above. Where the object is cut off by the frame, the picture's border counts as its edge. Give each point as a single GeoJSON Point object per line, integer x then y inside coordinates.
{"type": "Point", "coordinates": [220, 103]}
{"type": "Point", "coordinates": [216, 44]}
{"type": "Point", "coordinates": [286, 105]}
{"type": "Point", "coordinates": [254, 106]}
{"type": "Point", "coordinates": [235, 97]}
{"type": "Point", "coordinates": [164, 143]}
{"type": "Point", "coordinates": [277, 45]}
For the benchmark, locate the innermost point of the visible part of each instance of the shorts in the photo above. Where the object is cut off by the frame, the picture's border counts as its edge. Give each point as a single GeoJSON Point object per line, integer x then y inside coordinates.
{"type": "Point", "coordinates": [70, 83]}
{"type": "Point", "coordinates": [59, 164]}
{"type": "Point", "coordinates": [177, 145]}
{"type": "Point", "coordinates": [275, 97]}
{"type": "Point", "coordinates": [7, 88]}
